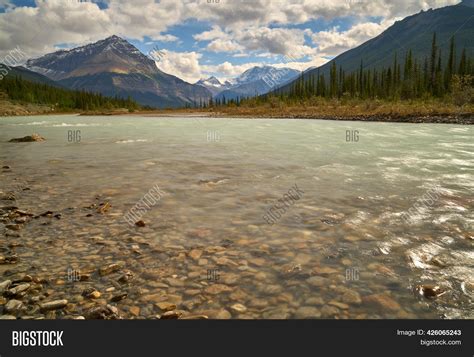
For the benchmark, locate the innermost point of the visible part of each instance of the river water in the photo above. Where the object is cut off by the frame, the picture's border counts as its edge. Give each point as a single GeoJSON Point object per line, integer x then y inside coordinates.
{"type": "Point", "coordinates": [348, 245]}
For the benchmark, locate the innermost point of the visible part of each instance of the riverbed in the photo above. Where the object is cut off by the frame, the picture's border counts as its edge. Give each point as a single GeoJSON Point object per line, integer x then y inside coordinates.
{"type": "Point", "coordinates": [360, 240]}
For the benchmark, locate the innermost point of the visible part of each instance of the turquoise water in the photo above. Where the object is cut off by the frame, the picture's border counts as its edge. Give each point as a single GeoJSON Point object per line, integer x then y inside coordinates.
{"type": "Point", "coordinates": [221, 176]}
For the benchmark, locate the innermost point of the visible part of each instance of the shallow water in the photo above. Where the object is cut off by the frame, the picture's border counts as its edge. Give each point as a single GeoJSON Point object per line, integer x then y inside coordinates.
{"type": "Point", "coordinates": [220, 176]}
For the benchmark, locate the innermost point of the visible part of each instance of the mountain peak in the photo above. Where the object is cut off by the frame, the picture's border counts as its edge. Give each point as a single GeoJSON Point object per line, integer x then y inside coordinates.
{"type": "Point", "coordinates": [113, 54]}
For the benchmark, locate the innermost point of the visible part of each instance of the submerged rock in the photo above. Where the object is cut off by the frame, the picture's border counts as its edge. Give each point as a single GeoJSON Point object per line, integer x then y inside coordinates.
{"type": "Point", "coordinates": [13, 306]}
{"type": "Point", "coordinates": [28, 139]}
{"type": "Point", "coordinates": [53, 305]}
{"type": "Point", "coordinates": [430, 291]}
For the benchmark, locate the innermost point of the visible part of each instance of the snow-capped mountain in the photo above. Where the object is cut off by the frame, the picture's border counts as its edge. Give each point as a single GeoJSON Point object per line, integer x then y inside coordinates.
{"type": "Point", "coordinates": [114, 66]}
{"type": "Point", "coordinates": [213, 85]}
{"type": "Point", "coordinates": [257, 81]}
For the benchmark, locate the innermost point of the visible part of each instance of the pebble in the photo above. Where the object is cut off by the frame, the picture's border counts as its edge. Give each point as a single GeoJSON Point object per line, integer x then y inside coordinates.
{"type": "Point", "coordinates": [195, 254]}
{"type": "Point", "coordinates": [13, 227]}
{"type": "Point", "coordinates": [7, 317]}
{"type": "Point", "coordinates": [4, 285]}
{"type": "Point", "coordinates": [430, 291]}
{"type": "Point", "coordinates": [140, 223]}
{"type": "Point", "coordinates": [382, 300]}
{"type": "Point", "coordinates": [135, 310]}
{"type": "Point", "coordinates": [339, 305]}
{"type": "Point", "coordinates": [238, 308]}
{"type": "Point", "coordinates": [317, 281]}
{"type": "Point", "coordinates": [351, 297]}
{"type": "Point", "coordinates": [307, 312]}
{"type": "Point", "coordinates": [194, 317]}
{"type": "Point", "coordinates": [171, 315]}
{"type": "Point", "coordinates": [217, 289]}
{"type": "Point", "coordinates": [109, 269]}
{"type": "Point", "coordinates": [53, 305]}
{"type": "Point", "coordinates": [166, 306]}
{"type": "Point", "coordinates": [328, 311]}
{"type": "Point", "coordinates": [91, 293]}
{"type": "Point", "coordinates": [18, 289]}
{"type": "Point", "coordinates": [119, 297]}
{"type": "Point", "coordinates": [13, 306]}
{"type": "Point", "coordinates": [223, 315]}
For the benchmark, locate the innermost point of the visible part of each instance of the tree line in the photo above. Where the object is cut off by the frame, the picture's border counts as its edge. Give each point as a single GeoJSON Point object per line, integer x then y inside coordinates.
{"type": "Point", "coordinates": [23, 90]}
{"type": "Point", "coordinates": [407, 78]}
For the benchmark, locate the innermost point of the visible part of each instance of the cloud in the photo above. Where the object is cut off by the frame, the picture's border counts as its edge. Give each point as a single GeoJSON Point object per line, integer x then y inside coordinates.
{"type": "Point", "coordinates": [239, 27]}
{"type": "Point", "coordinates": [334, 42]}
{"type": "Point", "coordinates": [184, 65]}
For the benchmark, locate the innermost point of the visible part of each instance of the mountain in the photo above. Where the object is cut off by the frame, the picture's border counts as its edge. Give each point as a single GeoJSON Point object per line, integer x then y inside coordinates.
{"type": "Point", "coordinates": [258, 80]}
{"type": "Point", "coordinates": [114, 67]}
{"type": "Point", "coordinates": [213, 85]}
{"type": "Point", "coordinates": [29, 75]}
{"type": "Point", "coordinates": [412, 33]}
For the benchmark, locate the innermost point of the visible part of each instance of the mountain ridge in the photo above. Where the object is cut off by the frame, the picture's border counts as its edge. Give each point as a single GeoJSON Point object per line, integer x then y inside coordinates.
{"type": "Point", "coordinates": [114, 67]}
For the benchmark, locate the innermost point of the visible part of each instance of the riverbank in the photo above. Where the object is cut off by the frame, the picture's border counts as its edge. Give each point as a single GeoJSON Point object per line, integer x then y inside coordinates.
{"type": "Point", "coordinates": [370, 111]}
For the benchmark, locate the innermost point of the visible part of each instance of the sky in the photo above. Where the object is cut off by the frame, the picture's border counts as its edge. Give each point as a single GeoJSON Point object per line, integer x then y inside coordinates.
{"type": "Point", "coordinates": [200, 38]}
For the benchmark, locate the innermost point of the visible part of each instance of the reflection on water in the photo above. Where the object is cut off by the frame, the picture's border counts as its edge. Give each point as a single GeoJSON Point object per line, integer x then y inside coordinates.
{"type": "Point", "coordinates": [342, 250]}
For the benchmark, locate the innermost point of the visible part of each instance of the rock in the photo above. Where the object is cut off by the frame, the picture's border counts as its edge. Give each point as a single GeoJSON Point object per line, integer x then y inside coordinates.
{"type": "Point", "coordinates": [194, 317]}
{"type": "Point", "coordinates": [5, 285]}
{"type": "Point", "coordinates": [108, 312]}
{"type": "Point", "coordinates": [7, 317]}
{"type": "Point", "coordinates": [135, 310]}
{"type": "Point", "coordinates": [382, 300]}
{"type": "Point", "coordinates": [119, 297]}
{"type": "Point", "coordinates": [13, 227]}
{"type": "Point", "coordinates": [339, 305]}
{"type": "Point", "coordinates": [307, 312]}
{"type": "Point", "coordinates": [91, 293]}
{"type": "Point", "coordinates": [223, 315]}
{"type": "Point", "coordinates": [46, 214]}
{"type": "Point", "coordinates": [28, 139]}
{"type": "Point", "coordinates": [281, 313]}
{"type": "Point", "coordinates": [192, 292]}
{"type": "Point", "coordinates": [17, 290]}
{"type": "Point", "coordinates": [103, 207]}
{"type": "Point", "coordinates": [430, 291]}
{"type": "Point", "coordinates": [351, 297]}
{"type": "Point", "coordinates": [140, 223]}
{"type": "Point", "coordinates": [318, 281]}
{"type": "Point", "coordinates": [13, 306]}
{"type": "Point", "coordinates": [10, 259]}
{"type": "Point", "coordinates": [171, 315]}
{"type": "Point", "coordinates": [175, 282]}
{"type": "Point", "coordinates": [126, 277]}
{"type": "Point", "coordinates": [271, 289]}
{"type": "Point", "coordinates": [24, 213]}
{"type": "Point", "coordinates": [109, 269]}
{"type": "Point", "coordinates": [325, 270]}
{"type": "Point", "coordinates": [166, 306]}
{"type": "Point", "coordinates": [217, 289]}
{"type": "Point", "coordinates": [195, 254]}
{"type": "Point", "coordinates": [20, 220]}
{"type": "Point", "coordinates": [328, 311]}
{"type": "Point", "coordinates": [315, 300]}
{"type": "Point", "coordinates": [203, 261]}
{"type": "Point", "coordinates": [258, 303]}
{"type": "Point", "coordinates": [238, 308]}
{"type": "Point", "coordinates": [53, 305]}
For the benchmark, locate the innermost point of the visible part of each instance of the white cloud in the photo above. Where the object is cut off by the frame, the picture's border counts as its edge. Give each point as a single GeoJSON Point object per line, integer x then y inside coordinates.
{"type": "Point", "coordinates": [243, 26]}
{"type": "Point", "coordinates": [334, 42]}
{"type": "Point", "coordinates": [184, 65]}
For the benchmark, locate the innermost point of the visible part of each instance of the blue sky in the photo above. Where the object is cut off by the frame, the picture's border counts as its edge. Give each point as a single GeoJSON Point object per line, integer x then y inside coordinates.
{"type": "Point", "coordinates": [199, 38]}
